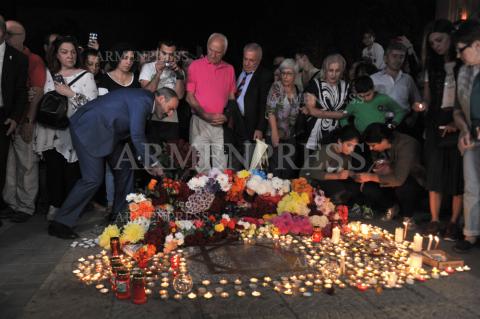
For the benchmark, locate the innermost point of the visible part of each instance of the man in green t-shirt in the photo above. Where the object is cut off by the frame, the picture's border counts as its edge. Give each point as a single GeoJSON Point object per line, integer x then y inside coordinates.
{"type": "Point", "coordinates": [371, 107]}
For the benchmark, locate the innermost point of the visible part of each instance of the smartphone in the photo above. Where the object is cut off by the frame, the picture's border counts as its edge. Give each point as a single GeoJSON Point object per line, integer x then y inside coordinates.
{"type": "Point", "coordinates": [58, 78]}
{"type": "Point", "coordinates": [92, 37]}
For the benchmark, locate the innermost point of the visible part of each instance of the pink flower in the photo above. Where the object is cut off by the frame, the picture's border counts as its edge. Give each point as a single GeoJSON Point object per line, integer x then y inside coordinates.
{"type": "Point", "coordinates": [198, 223]}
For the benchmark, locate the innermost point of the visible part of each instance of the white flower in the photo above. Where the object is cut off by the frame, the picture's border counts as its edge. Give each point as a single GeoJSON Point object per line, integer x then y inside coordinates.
{"type": "Point", "coordinates": [286, 187]}
{"type": "Point", "coordinates": [226, 217]}
{"type": "Point", "coordinates": [254, 182]}
{"type": "Point", "coordinates": [130, 197]}
{"type": "Point", "coordinates": [137, 198]}
{"type": "Point", "coordinates": [169, 238]}
{"type": "Point", "coordinates": [222, 180]}
{"type": "Point", "coordinates": [270, 176]}
{"type": "Point", "coordinates": [214, 172]}
{"type": "Point", "coordinates": [180, 238]}
{"type": "Point", "coordinates": [197, 183]}
{"type": "Point", "coordinates": [184, 224]}
{"type": "Point", "coordinates": [262, 188]}
{"type": "Point", "coordinates": [319, 221]}
{"type": "Point", "coordinates": [277, 183]}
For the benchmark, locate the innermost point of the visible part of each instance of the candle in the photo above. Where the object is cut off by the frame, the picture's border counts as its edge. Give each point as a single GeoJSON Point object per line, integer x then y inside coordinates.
{"type": "Point", "coordinates": [192, 295]}
{"type": "Point", "coordinates": [398, 235]}
{"type": "Point", "coordinates": [241, 293]}
{"type": "Point", "coordinates": [405, 225]}
{"type": "Point", "coordinates": [335, 235]}
{"type": "Point", "coordinates": [342, 262]}
{"type": "Point", "coordinates": [392, 279]}
{"type": "Point", "coordinates": [256, 293]}
{"type": "Point", "coordinates": [437, 241]}
{"type": "Point", "coordinates": [364, 229]}
{"type": "Point", "coordinates": [417, 242]}
{"type": "Point", "coordinates": [208, 295]}
{"type": "Point", "coordinates": [430, 238]}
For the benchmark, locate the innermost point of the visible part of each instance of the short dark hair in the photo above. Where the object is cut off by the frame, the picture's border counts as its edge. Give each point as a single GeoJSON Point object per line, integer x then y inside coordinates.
{"type": "Point", "coordinates": [117, 51]}
{"type": "Point", "coordinates": [89, 52]}
{"type": "Point", "coordinates": [369, 31]}
{"type": "Point", "coordinates": [3, 25]}
{"type": "Point", "coordinates": [376, 132]}
{"type": "Point", "coordinates": [52, 61]}
{"type": "Point", "coordinates": [168, 93]}
{"type": "Point", "coordinates": [168, 43]}
{"type": "Point", "coordinates": [395, 46]}
{"type": "Point", "coordinates": [363, 84]}
{"type": "Point", "coordinates": [467, 32]}
{"type": "Point", "coordinates": [348, 133]}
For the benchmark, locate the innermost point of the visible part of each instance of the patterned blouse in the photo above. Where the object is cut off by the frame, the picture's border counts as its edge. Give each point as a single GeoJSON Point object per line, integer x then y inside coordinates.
{"type": "Point", "coordinates": [284, 108]}
{"type": "Point", "coordinates": [48, 138]}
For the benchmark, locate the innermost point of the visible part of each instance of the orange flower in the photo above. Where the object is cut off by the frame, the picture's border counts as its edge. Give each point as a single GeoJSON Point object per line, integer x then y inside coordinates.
{"type": "Point", "coordinates": [301, 185]}
{"type": "Point", "coordinates": [152, 184]}
{"type": "Point", "coordinates": [133, 207]}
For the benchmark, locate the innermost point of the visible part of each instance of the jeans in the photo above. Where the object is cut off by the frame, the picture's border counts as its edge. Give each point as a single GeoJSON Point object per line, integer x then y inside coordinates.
{"type": "Point", "coordinates": [471, 196]}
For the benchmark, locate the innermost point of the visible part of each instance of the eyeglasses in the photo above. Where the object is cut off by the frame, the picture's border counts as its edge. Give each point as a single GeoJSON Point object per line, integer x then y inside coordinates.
{"type": "Point", "coordinates": [14, 33]}
{"type": "Point", "coordinates": [287, 73]}
{"type": "Point", "coordinates": [460, 50]}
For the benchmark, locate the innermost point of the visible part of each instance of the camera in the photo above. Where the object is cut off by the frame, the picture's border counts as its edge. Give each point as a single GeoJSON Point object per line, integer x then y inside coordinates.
{"type": "Point", "coordinates": [58, 78]}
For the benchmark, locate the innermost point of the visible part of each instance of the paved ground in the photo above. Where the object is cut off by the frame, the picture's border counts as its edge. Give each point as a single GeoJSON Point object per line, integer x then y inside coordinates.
{"type": "Point", "coordinates": [36, 282]}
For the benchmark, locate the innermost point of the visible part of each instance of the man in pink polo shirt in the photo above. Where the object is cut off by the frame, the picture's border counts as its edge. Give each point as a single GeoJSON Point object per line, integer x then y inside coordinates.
{"type": "Point", "coordinates": [210, 85]}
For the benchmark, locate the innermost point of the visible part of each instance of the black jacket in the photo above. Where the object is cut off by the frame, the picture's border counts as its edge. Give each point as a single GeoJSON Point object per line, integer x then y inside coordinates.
{"type": "Point", "coordinates": [255, 101]}
{"type": "Point", "coordinates": [14, 83]}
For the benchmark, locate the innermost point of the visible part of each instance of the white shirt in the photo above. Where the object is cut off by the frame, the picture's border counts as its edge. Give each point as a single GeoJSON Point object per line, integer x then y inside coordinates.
{"type": "Point", "coordinates": [375, 54]}
{"type": "Point", "coordinates": [241, 97]}
{"type": "Point", "coordinates": [402, 89]}
{"type": "Point", "coordinates": [2, 56]}
{"type": "Point", "coordinates": [167, 79]}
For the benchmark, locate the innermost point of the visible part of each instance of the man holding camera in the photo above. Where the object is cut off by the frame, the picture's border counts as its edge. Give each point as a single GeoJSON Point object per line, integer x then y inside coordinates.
{"type": "Point", "coordinates": [164, 72]}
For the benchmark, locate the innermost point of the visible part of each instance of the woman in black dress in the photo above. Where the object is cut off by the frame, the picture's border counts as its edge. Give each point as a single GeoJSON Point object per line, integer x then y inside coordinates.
{"type": "Point", "coordinates": [442, 158]}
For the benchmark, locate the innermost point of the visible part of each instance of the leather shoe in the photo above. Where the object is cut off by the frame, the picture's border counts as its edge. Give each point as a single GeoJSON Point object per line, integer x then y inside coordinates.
{"type": "Point", "coordinates": [61, 231]}
{"type": "Point", "coordinates": [7, 212]}
{"type": "Point", "coordinates": [20, 217]}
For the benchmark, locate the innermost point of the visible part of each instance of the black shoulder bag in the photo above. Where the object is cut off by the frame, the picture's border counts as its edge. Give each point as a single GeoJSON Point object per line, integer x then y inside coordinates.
{"type": "Point", "coordinates": [53, 108]}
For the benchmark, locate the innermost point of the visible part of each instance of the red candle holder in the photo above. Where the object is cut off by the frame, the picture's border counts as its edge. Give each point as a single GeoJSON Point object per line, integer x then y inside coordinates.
{"type": "Point", "coordinates": [115, 246]}
{"type": "Point", "coordinates": [122, 284]}
{"type": "Point", "coordinates": [317, 235]}
{"type": "Point", "coordinates": [138, 289]}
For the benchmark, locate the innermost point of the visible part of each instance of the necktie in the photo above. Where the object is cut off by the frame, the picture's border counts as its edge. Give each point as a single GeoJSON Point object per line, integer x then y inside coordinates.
{"type": "Point", "coordinates": [242, 84]}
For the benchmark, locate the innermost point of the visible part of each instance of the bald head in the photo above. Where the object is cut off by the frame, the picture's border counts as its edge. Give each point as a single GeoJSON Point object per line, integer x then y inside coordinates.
{"type": "Point", "coordinates": [16, 34]}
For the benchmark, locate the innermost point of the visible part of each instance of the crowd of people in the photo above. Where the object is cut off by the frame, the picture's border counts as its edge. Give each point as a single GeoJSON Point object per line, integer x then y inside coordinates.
{"type": "Point", "coordinates": [390, 134]}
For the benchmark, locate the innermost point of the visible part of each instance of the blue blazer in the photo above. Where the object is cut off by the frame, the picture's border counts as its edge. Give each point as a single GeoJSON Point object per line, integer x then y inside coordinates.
{"type": "Point", "coordinates": [102, 123]}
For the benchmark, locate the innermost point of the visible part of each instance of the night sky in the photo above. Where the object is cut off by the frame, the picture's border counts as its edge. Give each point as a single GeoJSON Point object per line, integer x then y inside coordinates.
{"type": "Point", "coordinates": [281, 27]}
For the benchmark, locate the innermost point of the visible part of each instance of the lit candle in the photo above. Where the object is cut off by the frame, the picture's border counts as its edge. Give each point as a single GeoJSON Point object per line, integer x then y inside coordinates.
{"type": "Point", "coordinates": [241, 293]}
{"type": "Point", "coordinates": [364, 229]}
{"type": "Point", "coordinates": [208, 295]}
{"type": "Point", "coordinates": [430, 238]}
{"type": "Point", "coordinates": [256, 293]}
{"type": "Point", "coordinates": [437, 241]}
{"type": "Point", "coordinates": [417, 242]}
{"type": "Point", "coordinates": [342, 262]}
{"type": "Point", "coordinates": [416, 261]}
{"type": "Point", "coordinates": [336, 235]}
{"type": "Point", "coordinates": [398, 235]}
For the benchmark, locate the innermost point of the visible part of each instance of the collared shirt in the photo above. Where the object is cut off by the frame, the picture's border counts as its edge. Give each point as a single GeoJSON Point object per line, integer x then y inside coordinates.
{"type": "Point", "coordinates": [465, 79]}
{"type": "Point", "coordinates": [2, 56]}
{"type": "Point", "coordinates": [241, 97]}
{"type": "Point", "coordinates": [211, 84]}
{"type": "Point", "coordinates": [402, 89]}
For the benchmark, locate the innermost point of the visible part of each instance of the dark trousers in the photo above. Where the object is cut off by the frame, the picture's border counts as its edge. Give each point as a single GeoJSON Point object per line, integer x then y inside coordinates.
{"type": "Point", "coordinates": [4, 146]}
{"type": "Point", "coordinates": [93, 172]}
{"type": "Point", "coordinates": [158, 132]}
{"type": "Point", "coordinates": [408, 196]}
{"type": "Point", "coordinates": [341, 192]}
{"type": "Point", "coordinates": [61, 176]}
{"type": "Point", "coordinates": [283, 161]}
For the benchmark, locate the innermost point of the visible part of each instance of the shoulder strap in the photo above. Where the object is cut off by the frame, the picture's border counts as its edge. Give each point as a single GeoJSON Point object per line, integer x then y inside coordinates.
{"type": "Point", "coordinates": [77, 78]}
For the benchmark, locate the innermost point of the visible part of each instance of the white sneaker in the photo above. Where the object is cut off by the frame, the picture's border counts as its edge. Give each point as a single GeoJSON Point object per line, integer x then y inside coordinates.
{"type": "Point", "coordinates": [391, 213]}
{"type": "Point", "coordinates": [52, 211]}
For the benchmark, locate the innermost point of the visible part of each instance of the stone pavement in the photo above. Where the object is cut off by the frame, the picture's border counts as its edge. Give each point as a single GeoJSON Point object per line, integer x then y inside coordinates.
{"type": "Point", "coordinates": [36, 282]}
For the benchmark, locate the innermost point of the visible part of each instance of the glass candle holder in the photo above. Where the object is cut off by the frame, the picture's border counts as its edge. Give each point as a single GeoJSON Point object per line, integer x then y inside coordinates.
{"type": "Point", "coordinates": [115, 246]}
{"type": "Point", "coordinates": [138, 289]}
{"type": "Point", "coordinates": [122, 284]}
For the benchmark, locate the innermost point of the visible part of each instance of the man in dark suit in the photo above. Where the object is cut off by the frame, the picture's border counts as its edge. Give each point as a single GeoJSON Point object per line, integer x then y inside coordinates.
{"type": "Point", "coordinates": [13, 98]}
{"type": "Point", "coordinates": [248, 121]}
{"type": "Point", "coordinates": [99, 131]}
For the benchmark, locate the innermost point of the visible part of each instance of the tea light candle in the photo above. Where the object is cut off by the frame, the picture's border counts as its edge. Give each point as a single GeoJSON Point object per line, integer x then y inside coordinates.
{"type": "Point", "coordinates": [364, 229]}
{"type": "Point", "coordinates": [99, 286]}
{"type": "Point", "coordinates": [241, 293]}
{"type": "Point", "coordinates": [267, 279]}
{"type": "Point", "coordinates": [163, 292]}
{"type": "Point", "coordinates": [177, 296]}
{"type": "Point", "coordinates": [466, 268]}
{"type": "Point", "coordinates": [202, 290]}
{"type": "Point", "coordinates": [206, 282]}
{"type": "Point", "coordinates": [164, 284]}
{"type": "Point", "coordinates": [237, 281]}
{"type": "Point", "coordinates": [256, 293]}
{"type": "Point", "coordinates": [223, 281]}
{"type": "Point", "coordinates": [208, 295]}
{"type": "Point", "coordinates": [450, 270]}
{"type": "Point", "coordinates": [103, 290]}
{"type": "Point", "coordinates": [417, 242]}
{"type": "Point", "coordinates": [148, 291]}
{"type": "Point", "coordinates": [253, 280]}
{"type": "Point", "coordinates": [224, 294]}
{"type": "Point", "coordinates": [192, 295]}
{"type": "Point", "coordinates": [218, 290]}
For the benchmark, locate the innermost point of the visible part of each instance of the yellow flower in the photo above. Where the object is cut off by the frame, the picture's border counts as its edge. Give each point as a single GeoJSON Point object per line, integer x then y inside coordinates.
{"type": "Point", "coordinates": [243, 174]}
{"type": "Point", "coordinates": [109, 232]}
{"type": "Point", "coordinates": [132, 233]}
{"type": "Point", "coordinates": [219, 228]}
{"type": "Point", "coordinates": [275, 231]}
{"type": "Point", "coordinates": [294, 203]}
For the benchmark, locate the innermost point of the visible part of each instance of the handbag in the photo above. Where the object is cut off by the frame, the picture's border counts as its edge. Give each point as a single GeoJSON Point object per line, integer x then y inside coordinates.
{"type": "Point", "coordinates": [53, 108]}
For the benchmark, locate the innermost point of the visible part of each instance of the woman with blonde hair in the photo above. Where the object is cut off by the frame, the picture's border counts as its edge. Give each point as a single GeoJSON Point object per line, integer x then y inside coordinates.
{"type": "Point", "coordinates": [325, 100]}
